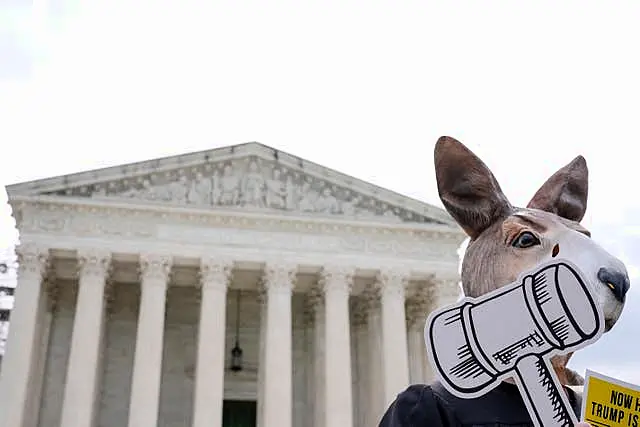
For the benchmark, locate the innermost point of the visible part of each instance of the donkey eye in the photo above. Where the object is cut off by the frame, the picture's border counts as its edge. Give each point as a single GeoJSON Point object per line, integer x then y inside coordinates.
{"type": "Point", "coordinates": [525, 240]}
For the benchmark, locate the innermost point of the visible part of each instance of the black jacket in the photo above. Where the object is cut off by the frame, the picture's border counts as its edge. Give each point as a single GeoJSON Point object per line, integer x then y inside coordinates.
{"type": "Point", "coordinates": [433, 406]}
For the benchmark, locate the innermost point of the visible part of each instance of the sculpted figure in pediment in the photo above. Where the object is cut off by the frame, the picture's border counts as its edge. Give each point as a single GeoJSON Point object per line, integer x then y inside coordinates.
{"type": "Point", "coordinates": [99, 191]}
{"type": "Point", "coordinates": [291, 194]}
{"type": "Point", "coordinates": [230, 184]}
{"type": "Point", "coordinates": [178, 190]}
{"type": "Point", "coordinates": [233, 185]}
{"type": "Point", "coordinates": [133, 192]}
{"type": "Point", "coordinates": [162, 192]}
{"type": "Point", "coordinates": [308, 198]}
{"type": "Point", "coordinates": [388, 211]}
{"type": "Point", "coordinates": [147, 192]}
{"type": "Point", "coordinates": [276, 191]}
{"type": "Point", "coordinates": [349, 206]}
{"type": "Point", "coordinates": [326, 202]}
{"type": "Point", "coordinates": [253, 186]}
{"type": "Point", "coordinates": [368, 210]}
{"type": "Point", "coordinates": [201, 190]}
{"type": "Point", "coordinates": [216, 191]}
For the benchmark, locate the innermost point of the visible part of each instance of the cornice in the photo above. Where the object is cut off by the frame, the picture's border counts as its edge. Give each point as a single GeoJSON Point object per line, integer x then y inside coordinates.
{"type": "Point", "coordinates": [28, 208]}
{"type": "Point", "coordinates": [129, 170]}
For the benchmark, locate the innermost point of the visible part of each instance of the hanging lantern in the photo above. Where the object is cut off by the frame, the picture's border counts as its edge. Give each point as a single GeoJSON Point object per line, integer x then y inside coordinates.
{"type": "Point", "coordinates": [236, 358]}
{"type": "Point", "coordinates": [236, 351]}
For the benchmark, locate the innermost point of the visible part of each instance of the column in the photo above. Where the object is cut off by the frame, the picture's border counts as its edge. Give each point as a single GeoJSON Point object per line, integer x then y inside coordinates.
{"type": "Point", "coordinates": [278, 388]}
{"type": "Point", "coordinates": [446, 292]}
{"type": "Point", "coordinates": [147, 362]}
{"type": "Point", "coordinates": [414, 346]}
{"type": "Point", "coordinates": [209, 380]}
{"type": "Point", "coordinates": [262, 300]}
{"type": "Point", "coordinates": [336, 283]}
{"type": "Point", "coordinates": [310, 372]}
{"type": "Point", "coordinates": [361, 392]}
{"type": "Point", "coordinates": [443, 292]}
{"type": "Point", "coordinates": [51, 287]}
{"type": "Point", "coordinates": [20, 355]}
{"type": "Point", "coordinates": [376, 406]}
{"type": "Point", "coordinates": [418, 308]}
{"type": "Point", "coordinates": [392, 286]}
{"type": "Point", "coordinates": [81, 389]}
{"type": "Point", "coordinates": [316, 302]}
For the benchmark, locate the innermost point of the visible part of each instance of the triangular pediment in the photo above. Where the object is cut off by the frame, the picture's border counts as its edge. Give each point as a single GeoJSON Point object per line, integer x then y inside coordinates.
{"type": "Point", "coordinates": [242, 177]}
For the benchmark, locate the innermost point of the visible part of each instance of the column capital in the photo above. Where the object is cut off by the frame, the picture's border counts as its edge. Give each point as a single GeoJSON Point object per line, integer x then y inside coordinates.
{"type": "Point", "coordinates": [336, 278]}
{"type": "Point", "coordinates": [33, 260]}
{"type": "Point", "coordinates": [314, 300]}
{"type": "Point", "coordinates": [215, 273]}
{"type": "Point", "coordinates": [53, 292]}
{"type": "Point", "coordinates": [447, 288]}
{"type": "Point", "coordinates": [155, 267]}
{"type": "Point", "coordinates": [262, 294]}
{"type": "Point", "coordinates": [109, 295]}
{"type": "Point", "coordinates": [360, 311]}
{"type": "Point", "coordinates": [392, 282]}
{"type": "Point", "coordinates": [315, 297]}
{"type": "Point", "coordinates": [371, 297]}
{"type": "Point", "coordinates": [419, 305]}
{"type": "Point", "coordinates": [279, 277]}
{"type": "Point", "coordinates": [94, 263]}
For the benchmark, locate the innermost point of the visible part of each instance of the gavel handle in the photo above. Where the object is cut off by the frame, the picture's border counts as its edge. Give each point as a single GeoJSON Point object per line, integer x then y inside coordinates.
{"type": "Point", "coordinates": [543, 393]}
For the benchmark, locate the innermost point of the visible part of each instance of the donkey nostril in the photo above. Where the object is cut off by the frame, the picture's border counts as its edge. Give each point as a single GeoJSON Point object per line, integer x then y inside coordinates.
{"type": "Point", "coordinates": [617, 281]}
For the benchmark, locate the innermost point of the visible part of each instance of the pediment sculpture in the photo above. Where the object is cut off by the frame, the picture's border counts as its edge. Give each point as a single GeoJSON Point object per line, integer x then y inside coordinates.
{"type": "Point", "coordinates": [251, 183]}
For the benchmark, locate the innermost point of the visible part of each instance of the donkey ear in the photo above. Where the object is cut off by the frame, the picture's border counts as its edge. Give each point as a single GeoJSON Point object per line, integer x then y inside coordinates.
{"type": "Point", "coordinates": [467, 188]}
{"type": "Point", "coordinates": [565, 192]}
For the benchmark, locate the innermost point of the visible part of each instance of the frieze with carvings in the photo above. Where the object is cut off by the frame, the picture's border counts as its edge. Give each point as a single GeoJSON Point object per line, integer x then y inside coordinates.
{"type": "Point", "coordinates": [213, 229]}
{"type": "Point", "coordinates": [251, 183]}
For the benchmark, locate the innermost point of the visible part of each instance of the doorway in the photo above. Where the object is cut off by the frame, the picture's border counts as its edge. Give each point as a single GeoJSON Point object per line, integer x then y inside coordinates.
{"type": "Point", "coordinates": [239, 413]}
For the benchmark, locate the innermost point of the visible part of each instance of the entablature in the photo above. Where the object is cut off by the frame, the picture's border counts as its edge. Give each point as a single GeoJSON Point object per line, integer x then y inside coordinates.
{"type": "Point", "coordinates": [169, 226]}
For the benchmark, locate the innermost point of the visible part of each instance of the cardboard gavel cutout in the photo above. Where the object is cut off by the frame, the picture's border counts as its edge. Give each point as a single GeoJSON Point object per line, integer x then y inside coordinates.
{"type": "Point", "coordinates": [513, 332]}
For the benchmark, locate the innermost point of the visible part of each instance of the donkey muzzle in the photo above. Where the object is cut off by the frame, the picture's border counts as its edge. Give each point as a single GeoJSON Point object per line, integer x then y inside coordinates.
{"type": "Point", "coordinates": [615, 280]}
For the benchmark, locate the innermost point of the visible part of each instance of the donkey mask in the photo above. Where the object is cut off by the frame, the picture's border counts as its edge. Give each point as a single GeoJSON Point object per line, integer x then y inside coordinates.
{"type": "Point", "coordinates": [507, 240]}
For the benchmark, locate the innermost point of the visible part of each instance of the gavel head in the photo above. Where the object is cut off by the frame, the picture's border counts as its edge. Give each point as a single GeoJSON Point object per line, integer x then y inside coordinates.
{"type": "Point", "coordinates": [547, 311]}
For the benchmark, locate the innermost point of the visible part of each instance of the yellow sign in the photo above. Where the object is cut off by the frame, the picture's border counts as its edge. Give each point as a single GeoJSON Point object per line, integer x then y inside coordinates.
{"type": "Point", "coordinates": [608, 402]}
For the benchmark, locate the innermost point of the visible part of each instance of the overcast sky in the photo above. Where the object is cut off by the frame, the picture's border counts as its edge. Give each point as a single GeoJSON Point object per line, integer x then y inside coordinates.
{"type": "Point", "coordinates": [362, 87]}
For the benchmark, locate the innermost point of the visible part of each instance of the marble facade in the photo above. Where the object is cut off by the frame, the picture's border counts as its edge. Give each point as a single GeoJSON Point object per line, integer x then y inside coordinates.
{"type": "Point", "coordinates": [136, 281]}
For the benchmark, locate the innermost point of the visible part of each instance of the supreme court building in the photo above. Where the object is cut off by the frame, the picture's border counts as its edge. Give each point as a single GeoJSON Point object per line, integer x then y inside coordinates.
{"type": "Point", "coordinates": [239, 286]}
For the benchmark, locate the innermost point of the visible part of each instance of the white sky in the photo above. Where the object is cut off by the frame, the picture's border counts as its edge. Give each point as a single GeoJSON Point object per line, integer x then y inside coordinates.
{"type": "Point", "coordinates": [362, 87]}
